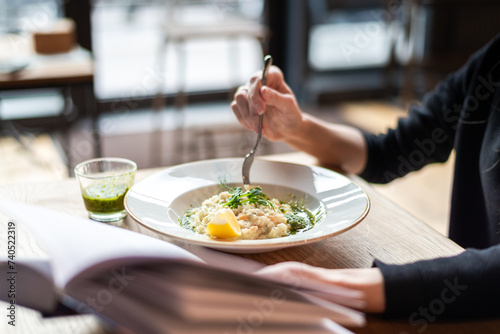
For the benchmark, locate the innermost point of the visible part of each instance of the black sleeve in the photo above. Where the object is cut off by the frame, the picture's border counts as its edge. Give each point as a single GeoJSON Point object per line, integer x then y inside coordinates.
{"type": "Point", "coordinates": [462, 286]}
{"type": "Point", "coordinates": [427, 134]}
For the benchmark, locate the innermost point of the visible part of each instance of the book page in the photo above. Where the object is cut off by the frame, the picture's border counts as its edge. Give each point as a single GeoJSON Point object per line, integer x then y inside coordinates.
{"type": "Point", "coordinates": [28, 283]}
{"type": "Point", "coordinates": [201, 293]}
{"type": "Point", "coordinates": [197, 293]}
{"type": "Point", "coordinates": [313, 287]}
{"type": "Point", "coordinates": [221, 260]}
{"type": "Point", "coordinates": [75, 244]}
{"type": "Point", "coordinates": [140, 316]}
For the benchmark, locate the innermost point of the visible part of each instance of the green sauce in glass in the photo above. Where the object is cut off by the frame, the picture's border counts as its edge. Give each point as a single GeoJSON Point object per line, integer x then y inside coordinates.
{"type": "Point", "coordinates": [105, 198]}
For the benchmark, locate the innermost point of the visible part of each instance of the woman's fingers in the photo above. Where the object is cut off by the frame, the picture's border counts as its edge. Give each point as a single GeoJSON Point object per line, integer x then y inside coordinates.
{"type": "Point", "coordinates": [249, 102]}
{"type": "Point", "coordinates": [241, 108]}
{"type": "Point", "coordinates": [370, 281]}
{"type": "Point", "coordinates": [287, 270]}
{"type": "Point", "coordinates": [256, 103]}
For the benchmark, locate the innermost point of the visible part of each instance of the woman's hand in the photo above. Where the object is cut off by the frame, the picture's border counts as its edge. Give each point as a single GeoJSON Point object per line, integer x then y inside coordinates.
{"type": "Point", "coordinates": [282, 115]}
{"type": "Point", "coordinates": [367, 280]}
{"type": "Point", "coordinates": [334, 145]}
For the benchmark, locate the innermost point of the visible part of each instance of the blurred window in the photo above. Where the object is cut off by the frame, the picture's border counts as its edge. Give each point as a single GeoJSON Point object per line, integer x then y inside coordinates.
{"type": "Point", "coordinates": [17, 20]}
{"type": "Point", "coordinates": [127, 36]}
{"type": "Point", "coordinates": [24, 16]}
{"type": "Point", "coordinates": [349, 35]}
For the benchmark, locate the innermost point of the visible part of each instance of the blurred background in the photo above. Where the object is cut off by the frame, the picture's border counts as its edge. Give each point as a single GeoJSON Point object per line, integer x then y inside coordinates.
{"type": "Point", "coordinates": [151, 80]}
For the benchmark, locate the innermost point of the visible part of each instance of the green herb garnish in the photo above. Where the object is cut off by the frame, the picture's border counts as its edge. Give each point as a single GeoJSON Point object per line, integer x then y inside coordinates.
{"type": "Point", "coordinates": [300, 219]}
{"type": "Point", "coordinates": [253, 196]}
{"type": "Point", "coordinates": [186, 220]}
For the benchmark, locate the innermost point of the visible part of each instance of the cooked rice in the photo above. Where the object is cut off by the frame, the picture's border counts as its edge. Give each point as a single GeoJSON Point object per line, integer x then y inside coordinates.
{"type": "Point", "coordinates": [256, 221]}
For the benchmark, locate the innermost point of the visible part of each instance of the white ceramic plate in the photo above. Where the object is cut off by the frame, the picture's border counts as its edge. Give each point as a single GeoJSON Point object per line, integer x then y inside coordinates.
{"type": "Point", "coordinates": [158, 201]}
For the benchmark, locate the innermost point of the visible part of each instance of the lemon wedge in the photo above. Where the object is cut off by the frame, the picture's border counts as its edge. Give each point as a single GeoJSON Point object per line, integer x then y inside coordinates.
{"type": "Point", "coordinates": [224, 225]}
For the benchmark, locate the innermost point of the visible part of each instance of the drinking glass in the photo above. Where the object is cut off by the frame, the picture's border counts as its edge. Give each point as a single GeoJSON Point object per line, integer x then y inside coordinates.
{"type": "Point", "coordinates": [103, 184]}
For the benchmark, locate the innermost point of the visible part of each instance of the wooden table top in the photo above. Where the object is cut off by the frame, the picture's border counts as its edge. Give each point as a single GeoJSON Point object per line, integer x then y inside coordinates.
{"type": "Point", "coordinates": [388, 233]}
{"type": "Point", "coordinates": [49, 75]}
{"type": "Point", "coordinates": [73, 67]}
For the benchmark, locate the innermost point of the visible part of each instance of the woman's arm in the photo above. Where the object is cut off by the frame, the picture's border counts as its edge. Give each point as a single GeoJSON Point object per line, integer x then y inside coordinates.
{"type": "Point", "coordinates": [462, 286]}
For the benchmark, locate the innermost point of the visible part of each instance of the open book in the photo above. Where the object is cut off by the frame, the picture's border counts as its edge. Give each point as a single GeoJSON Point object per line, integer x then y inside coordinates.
{"type": "Point", "coordinates": [147, 285]}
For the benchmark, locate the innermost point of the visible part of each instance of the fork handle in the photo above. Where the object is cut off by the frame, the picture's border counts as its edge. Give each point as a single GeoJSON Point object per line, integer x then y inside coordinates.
{"type": "Point", "coordinates": [268, 61]}
{"type": "Point", "coordinates": [247, 162]}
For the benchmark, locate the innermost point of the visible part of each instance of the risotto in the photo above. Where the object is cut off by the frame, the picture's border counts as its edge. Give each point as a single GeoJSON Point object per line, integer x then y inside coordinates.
{"type": "Point", "coordinates": [258, 216]}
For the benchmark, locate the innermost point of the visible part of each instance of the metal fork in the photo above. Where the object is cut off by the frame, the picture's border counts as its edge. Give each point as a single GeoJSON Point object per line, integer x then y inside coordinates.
{"type": "Point", "coordinates": [247, 163]}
